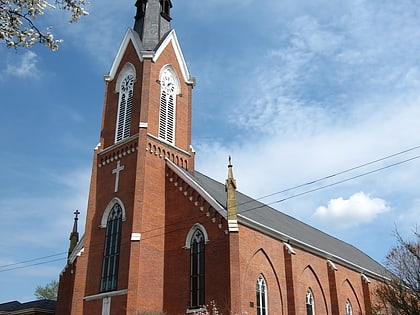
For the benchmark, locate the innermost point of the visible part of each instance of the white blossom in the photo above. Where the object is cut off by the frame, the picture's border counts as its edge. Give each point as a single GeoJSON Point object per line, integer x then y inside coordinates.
{"type": "Point", "coordinates": [17, 21]}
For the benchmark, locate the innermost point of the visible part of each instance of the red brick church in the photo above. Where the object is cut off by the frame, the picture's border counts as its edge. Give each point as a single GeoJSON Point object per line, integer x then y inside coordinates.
{"type": "Point", "coordinates": [161, 236]}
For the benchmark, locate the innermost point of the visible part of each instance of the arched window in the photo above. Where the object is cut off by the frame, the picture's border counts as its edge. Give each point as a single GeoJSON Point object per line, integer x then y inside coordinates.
{"type": "Point", "coordinates": [349, 310]}
{"type": "Point", "coordinates": [310, 309]}
{"type": "Point", "coordinates": [168, 89]}
{"type": "Point", "coordinates": [112, 249]}
{"type": "Point", "coordinates": [261, 291]}
{"type": "Point", "coordinates": [197, 265]}
{"type": "Point", "coordinates": [125, 88]}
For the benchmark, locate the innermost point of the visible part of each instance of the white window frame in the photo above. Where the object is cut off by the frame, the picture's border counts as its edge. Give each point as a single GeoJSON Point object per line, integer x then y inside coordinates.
{"type": "Point", "coordinates": [261, 296]}
{"type": "Point", "coordinates": [197, 268]}
{"type": "Point", "coordinates": [349, 309]}
{"type": "Point", "coordinates": [169, 89]}
{"type": "Point", "coordinates": [112, 246]}
{"type": "Point", "coordinates": [310, 301]}
{"type": "Point", "coordinates": [125, 90]}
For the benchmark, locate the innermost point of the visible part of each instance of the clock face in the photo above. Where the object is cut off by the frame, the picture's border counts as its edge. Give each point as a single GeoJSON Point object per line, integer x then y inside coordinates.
{"type": "Point", "coordinates": [168, 83]}
{"type": "Point", "coordinates": [127, 83]}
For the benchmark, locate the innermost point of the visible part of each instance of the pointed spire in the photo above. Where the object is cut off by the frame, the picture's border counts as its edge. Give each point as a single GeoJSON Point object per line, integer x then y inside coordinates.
{"type": "Point", "coordinates": [152, 21]}
{"type": "Point", "coordinates": [231, 207]}
{"type": "Point", "coordinates": [74, 235]}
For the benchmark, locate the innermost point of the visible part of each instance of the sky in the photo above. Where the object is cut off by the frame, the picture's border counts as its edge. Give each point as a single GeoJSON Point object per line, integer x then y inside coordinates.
{"type": "Point", "coordinates": [317, 102]}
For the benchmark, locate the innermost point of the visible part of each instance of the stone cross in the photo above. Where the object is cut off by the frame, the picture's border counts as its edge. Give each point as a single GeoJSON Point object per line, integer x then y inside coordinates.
{"type": "Point", "coordinates": [117, 171]}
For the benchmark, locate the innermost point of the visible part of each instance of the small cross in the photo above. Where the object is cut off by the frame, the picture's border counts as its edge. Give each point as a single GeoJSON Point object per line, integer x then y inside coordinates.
{"type": "Point", "coordinates": [76, 213]}
{"type": "Point", "coordinates": [117, 171]}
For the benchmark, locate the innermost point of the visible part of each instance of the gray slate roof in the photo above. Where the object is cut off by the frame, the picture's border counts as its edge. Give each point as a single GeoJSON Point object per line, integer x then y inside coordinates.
{"type": "Point", "coordinates": [286, 228]}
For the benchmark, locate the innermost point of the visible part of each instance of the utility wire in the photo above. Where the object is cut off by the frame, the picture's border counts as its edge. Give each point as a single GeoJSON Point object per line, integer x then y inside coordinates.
{"type": "Point", "coordinates": [335, 183]}
{"type": "Point", "coordinates": [337, 174]}
{"type": "Point", "coordinates": [31, 265]}
{"type": "Point", "coordinates": [31, 260]}
{"type": "Point", "coordinates": [253, 200]}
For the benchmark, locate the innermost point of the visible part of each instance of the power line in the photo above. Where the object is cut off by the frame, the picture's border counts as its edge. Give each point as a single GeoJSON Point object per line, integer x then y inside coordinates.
{"type": "Point", "coordinates": [253, 200]}
{"type": "Point", "coordinates": [335, 183]}
{"type": "Point", "coordinates": [31, 260]}
{"type": "Point", "coordinates": [337, 174]}
{"type": "Point", "coordinates": [31, 265]}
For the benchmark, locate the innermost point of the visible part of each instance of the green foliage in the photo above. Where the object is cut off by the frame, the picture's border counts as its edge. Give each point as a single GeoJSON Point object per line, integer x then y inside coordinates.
{"type": "Point", "coordinates": [47, 292]}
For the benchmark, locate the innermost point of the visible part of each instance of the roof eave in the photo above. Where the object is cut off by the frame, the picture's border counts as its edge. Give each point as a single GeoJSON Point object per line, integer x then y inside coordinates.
{"type": "Point", "coordinates": [307, 247]}
{"type": "Point", "coordinates": [134, 38]}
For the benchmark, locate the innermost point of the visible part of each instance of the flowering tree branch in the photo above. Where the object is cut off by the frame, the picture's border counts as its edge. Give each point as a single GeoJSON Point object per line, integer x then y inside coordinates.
{"type": "Point", "coordinates": [17, 21]}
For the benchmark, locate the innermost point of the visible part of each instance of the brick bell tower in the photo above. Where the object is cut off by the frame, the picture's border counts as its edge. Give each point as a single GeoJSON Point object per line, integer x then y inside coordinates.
{"type": "Point", "coordinates": [146, 120]}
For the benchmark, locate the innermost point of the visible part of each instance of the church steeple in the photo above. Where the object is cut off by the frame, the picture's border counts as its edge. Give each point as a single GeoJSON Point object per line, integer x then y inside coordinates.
{"type": "Point", "coordinates": [152, 21]}
{"type": "Point", "coordinates": [74, 235]}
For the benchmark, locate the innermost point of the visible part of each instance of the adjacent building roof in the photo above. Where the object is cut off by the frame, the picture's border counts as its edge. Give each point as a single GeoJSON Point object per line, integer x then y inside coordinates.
{"type": "Point", "coordinates": [270, 221]}
{"type": "Point", "coordinates": [39, 307]}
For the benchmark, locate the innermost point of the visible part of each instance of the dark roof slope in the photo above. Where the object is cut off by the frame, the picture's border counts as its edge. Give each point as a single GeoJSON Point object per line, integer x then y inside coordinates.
{"type": "Point", "coordinates": [271, 221]}
{"type": "Point", "coordinates": [10, 306]}
{"type": "Point", "coordinates": [45, 305]}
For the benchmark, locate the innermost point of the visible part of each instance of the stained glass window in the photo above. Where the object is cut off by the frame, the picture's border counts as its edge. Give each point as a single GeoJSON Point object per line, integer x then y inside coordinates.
{"type": "Point", "coordinates": [197, 272]}
{"type": "Point", "coordinates": [112, 250]}
{"type": "Point", "coordinates": [261, 291]}
{"type": "Point", "coordinates": [310, 310]}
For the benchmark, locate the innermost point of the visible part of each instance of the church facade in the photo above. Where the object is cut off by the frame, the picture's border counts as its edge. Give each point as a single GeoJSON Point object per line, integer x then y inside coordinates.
{"type": "Point", "coordinates": [161, 236]}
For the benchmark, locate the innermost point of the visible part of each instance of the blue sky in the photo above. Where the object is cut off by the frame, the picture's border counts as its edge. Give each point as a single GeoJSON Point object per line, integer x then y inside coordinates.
{"type": "Point", "coordinates": [294, 90]}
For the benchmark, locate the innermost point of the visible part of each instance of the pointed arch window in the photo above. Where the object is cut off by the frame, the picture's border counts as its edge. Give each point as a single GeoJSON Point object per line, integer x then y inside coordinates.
{"type": "Point", "coordinates": [112, 249]}
{"type": "Point", "coordinates": [261, 291]}
{"type": "Point", "coordinates": [125, 89]}
{"type": "Point", "coordinates": [197, 269]}
{"type": "Point", "coordinates": [168, 89]}
{"type": "Point", "coordinates": [349, 309]}
{"type": "Point", "coordinates": [310, 309]}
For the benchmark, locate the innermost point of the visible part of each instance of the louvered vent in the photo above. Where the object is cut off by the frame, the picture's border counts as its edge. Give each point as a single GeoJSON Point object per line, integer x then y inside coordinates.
{"type": "Point", "coordinates": [125, 107]}
{"type": "Point", "coordinates": [167, 108]}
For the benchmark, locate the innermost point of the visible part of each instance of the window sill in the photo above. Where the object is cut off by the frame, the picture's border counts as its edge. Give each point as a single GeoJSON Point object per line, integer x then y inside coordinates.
{"type": "Point", "coordinates": [199, 310]}
{"type": "Point", "coordinates": [104, 295]}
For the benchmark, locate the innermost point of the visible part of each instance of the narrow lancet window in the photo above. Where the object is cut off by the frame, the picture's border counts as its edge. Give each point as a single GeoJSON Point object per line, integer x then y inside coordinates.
{"type": "Point", "coordinates": [310, 310]}
{"type": "Point", "coordinates": [197, 265]}
{"type": "Point", "coordinates": [261, 291]}
{"type": "Point", "coordinates": [125, 103]}
{"type": "Point", "coordinates": [349, 310]}
{"type": "Point", "coordinates": [168, 90]}
{"type": "Point", "coordinates": [112, 250]}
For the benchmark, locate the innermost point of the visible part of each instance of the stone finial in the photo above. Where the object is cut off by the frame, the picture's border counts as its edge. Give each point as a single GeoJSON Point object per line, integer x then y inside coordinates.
{"type": "Point", "coordinates": [231, 205]}
{"type": "Point", "coordinates": [74, 235]}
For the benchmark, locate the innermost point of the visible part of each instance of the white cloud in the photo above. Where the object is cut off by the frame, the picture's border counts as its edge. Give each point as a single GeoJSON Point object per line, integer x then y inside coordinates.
{"type": "Point", "coordinates": [345, 213]}
{"type": "Point", "coordinates": [25, 67]}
